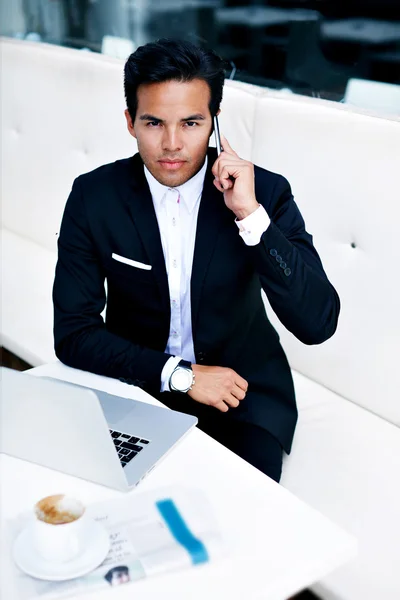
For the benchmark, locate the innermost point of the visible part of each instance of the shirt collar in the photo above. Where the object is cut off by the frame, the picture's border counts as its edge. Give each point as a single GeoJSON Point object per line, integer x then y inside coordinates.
{"type": "Point", "coordinates": [189, 191]}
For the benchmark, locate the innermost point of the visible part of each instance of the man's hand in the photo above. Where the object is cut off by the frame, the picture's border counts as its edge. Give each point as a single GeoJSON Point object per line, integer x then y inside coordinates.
{"type": "Point", "coordinates": [235, 178]}
{"type": "Point", "coordinates": [218, 386]}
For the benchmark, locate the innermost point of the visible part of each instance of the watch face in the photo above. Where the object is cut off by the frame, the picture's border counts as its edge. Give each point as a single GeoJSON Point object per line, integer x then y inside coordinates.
{"type": "Point", "coordinates": [182, 379]}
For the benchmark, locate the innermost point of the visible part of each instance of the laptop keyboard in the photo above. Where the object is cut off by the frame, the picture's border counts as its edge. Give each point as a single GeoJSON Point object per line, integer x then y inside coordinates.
{"type": "Point", "coordinates": [128, 446]}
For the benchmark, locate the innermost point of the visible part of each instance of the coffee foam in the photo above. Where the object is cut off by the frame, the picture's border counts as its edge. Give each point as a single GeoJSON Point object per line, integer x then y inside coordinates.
{"type": "Point", "coordinates": [58, 509]}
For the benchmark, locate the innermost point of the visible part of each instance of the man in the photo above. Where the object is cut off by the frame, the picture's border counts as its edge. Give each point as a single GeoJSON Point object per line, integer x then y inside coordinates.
{"type": "Point", "coordinates": [118, 575]}
{"type": "Point", "coordinates": [186, 240]}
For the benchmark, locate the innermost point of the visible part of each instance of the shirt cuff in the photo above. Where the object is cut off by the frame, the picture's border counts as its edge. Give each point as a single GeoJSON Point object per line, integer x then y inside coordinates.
{"type": "Point", "coordinates": [167, 372]}
{"type": "Point", "coordinates": [252, 227]}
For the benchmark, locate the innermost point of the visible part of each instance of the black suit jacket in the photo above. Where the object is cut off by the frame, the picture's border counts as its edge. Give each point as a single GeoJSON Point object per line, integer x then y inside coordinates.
{"type": "Point", "coordinates": [110, 210]}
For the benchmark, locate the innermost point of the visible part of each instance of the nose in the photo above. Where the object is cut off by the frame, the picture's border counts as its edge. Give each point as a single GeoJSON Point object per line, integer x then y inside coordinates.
{"type": "Point", "coordinates": [172, 141]}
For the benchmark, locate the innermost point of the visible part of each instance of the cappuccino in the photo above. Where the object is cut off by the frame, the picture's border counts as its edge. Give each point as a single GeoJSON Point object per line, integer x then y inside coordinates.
{"type": "Point", "coordinates": [58, 509]}
{"type": "Point", "coordinates": [60, 528]}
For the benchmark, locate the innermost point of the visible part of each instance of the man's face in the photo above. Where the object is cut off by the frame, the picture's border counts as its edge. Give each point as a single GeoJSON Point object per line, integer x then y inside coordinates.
{"type": "Point", "coordinates": [172, 127]}
{"type": "Point", "coordinates": [120, 577]}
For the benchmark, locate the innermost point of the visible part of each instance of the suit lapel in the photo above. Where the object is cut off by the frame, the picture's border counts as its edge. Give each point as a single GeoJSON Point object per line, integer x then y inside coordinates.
{"type": "Point", "coordinates": [137, 195]}
{"type": "Point", "coordinates": [212, 215]}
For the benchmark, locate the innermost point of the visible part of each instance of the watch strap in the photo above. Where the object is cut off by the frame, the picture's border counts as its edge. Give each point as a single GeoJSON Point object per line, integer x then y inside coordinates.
{"type": "Point", "coordinates": [184, 363]}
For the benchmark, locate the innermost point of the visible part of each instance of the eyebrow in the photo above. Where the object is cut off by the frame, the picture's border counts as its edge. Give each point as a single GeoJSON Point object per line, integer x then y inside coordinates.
{"type": "Point", "coordinates": [196, 117]}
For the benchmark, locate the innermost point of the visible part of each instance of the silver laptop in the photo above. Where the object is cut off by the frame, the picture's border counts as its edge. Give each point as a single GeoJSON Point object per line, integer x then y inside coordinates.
{"type": "Point", "coordinates": [99, 437]}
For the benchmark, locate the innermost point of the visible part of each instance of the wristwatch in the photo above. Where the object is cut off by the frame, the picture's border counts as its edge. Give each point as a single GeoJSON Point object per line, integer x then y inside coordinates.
{"type": "Point", "coordinates": [182, 377]}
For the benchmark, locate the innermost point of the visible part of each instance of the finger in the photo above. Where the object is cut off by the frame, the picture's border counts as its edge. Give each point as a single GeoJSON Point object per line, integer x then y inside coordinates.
{"type": "Point", "coordinates": [225, 177]}
{"type": "Point", "coordinates": [233, 167]}
{"type": "Point", "coordinates": [230, 164]}
{"type": "Point", "coordinates": [215, 167]}
{"type": "Point", "coordinates": [231, 401]}
{"type": "Point", "coordinates": [226, 146]}
{"type": "Point", "coordinates": [233, 164]}
{"type": "Point", "coordinates": [242, 383]}
{"type": "Point", "coordinates": [218, 185]}
{"type": "Point", "coordinates": [238, 393]}
{"type": "Point", "coordinates": [227, 184]}
{"type": "Point", "coordinates": [225, 158]}
{"type": "Point", "coordinates": [222, 407]}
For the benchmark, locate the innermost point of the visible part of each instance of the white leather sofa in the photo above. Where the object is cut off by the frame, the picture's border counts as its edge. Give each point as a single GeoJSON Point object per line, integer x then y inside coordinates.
{"type": "Point", "coordinates": [62, 115]}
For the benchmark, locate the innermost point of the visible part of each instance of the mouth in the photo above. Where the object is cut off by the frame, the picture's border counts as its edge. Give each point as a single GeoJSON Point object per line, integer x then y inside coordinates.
{"type": "Point", "coordinates": [171, 165]}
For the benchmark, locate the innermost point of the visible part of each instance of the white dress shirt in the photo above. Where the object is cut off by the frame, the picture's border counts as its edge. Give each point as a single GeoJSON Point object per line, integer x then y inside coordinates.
{"type": "Point", "coordinates": [176, 211]}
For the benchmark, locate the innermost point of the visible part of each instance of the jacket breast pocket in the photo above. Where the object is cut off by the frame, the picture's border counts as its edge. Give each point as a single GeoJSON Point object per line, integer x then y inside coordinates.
{"type": "Point", "coordinates": [120, 269]}
{"type": "Point", "coordinates": [130, 262]}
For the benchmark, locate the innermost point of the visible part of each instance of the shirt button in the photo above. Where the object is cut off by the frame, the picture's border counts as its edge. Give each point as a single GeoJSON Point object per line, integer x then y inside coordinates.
{"type": "Point", "coordinates": [287, 272]}
{"type": "Point", "coordinates": [174, 221]}
{"type": "Point", "coordinates": [174, 263]}
{"type": "Point", "coordinates": [273, 252]}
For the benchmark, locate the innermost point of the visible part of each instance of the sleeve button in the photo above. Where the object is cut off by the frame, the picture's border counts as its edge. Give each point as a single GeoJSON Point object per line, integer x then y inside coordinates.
{"type": "Point", "coordinates": [201, 357]}
{"type": "Point", "coordinates": [273, 252]}
{"type": "Point", "coordinates": [283, 265]}
{"type": "Point", "coordinates": [287, 272]}
{"type": "Point", "coordinates": [278, 258]}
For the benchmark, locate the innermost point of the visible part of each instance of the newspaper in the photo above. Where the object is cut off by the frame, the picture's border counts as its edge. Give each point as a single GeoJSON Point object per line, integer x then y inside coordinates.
{"type": "Point", "coordinates": [141, 543]}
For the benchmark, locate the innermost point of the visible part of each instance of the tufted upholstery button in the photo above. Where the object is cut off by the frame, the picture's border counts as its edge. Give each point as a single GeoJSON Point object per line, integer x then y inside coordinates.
{"type": "Point", "coordinates": [278, 258]}
{"type": "Point", "coordinates": [287, 272]}
{"type": "Point", "coordinates": [273, 252]}
{"type": "Point", "coordinates": [283, 265]}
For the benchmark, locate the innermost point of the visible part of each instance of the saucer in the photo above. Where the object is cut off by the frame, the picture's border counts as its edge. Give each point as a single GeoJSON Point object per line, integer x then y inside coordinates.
{"type": "Point", "coordinates": [27, 559]}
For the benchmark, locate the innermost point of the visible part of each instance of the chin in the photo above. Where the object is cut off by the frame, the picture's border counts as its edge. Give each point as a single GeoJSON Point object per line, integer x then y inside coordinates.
{"type": "Point", "coordinates": [173, 179]}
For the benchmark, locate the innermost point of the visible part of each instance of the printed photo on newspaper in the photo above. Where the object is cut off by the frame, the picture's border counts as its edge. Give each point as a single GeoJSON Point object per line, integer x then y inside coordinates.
{"type": "Point", "coordinates": [150, 533]}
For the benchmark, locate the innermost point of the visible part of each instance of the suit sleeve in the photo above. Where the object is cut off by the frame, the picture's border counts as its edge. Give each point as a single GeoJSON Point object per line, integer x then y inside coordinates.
{"type": "Point", "coordinates": [81, 338]}
{"type": "Point", "coordinates": [291, 272]}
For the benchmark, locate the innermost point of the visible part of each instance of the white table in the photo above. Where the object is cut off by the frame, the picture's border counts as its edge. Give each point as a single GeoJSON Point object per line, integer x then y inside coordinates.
{"type": "Point", "coordinates": [277, 544]}
{"type": "Point", "coordinates": [262, 16]}
{"type": "Point", "coordinates": [361, 31]}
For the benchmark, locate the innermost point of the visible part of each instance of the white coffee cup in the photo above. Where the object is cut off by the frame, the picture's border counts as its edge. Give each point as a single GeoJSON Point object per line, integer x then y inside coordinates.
{"type": "Point", "coordinates": [60, 528]}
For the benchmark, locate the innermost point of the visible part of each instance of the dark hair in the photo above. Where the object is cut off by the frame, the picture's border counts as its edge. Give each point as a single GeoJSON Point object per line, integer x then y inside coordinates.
{"type": "Point", "coordinates": [166, 60]}
{"type": "Point", "coordinates": [121, 569]}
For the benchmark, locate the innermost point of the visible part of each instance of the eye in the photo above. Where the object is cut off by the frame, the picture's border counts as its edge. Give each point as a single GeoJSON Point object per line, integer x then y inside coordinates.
{"type": "Point", "coordinates": [191, 124]}
{"type": "Point", "coordinates": [153, 124]}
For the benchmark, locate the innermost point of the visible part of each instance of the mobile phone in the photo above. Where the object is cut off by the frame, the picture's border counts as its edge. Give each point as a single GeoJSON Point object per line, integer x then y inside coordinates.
{"type": "Point", "coordinates": [217, 136]}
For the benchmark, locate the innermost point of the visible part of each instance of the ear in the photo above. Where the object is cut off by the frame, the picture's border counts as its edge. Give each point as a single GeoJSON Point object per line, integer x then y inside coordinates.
{"type": "Point", "coordinates": [212, 127]}
{"type": "Point", "coordinates": [129, 123]}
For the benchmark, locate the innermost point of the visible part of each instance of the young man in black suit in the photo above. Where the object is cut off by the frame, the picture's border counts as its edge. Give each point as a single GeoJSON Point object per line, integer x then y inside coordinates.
{"type": "Point", "coordinates": [186, 240]}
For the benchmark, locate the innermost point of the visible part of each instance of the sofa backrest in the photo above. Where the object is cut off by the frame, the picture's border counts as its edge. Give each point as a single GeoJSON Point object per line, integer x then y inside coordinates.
{"type": "Point", "coordinates": [343, 168]}
{"type": "Point", "coordinates": [62, 115]}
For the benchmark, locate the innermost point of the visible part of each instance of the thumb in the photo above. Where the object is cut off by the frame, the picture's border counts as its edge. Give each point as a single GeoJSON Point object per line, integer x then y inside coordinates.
{"type": "Point", "coordinates": [226, 146]}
